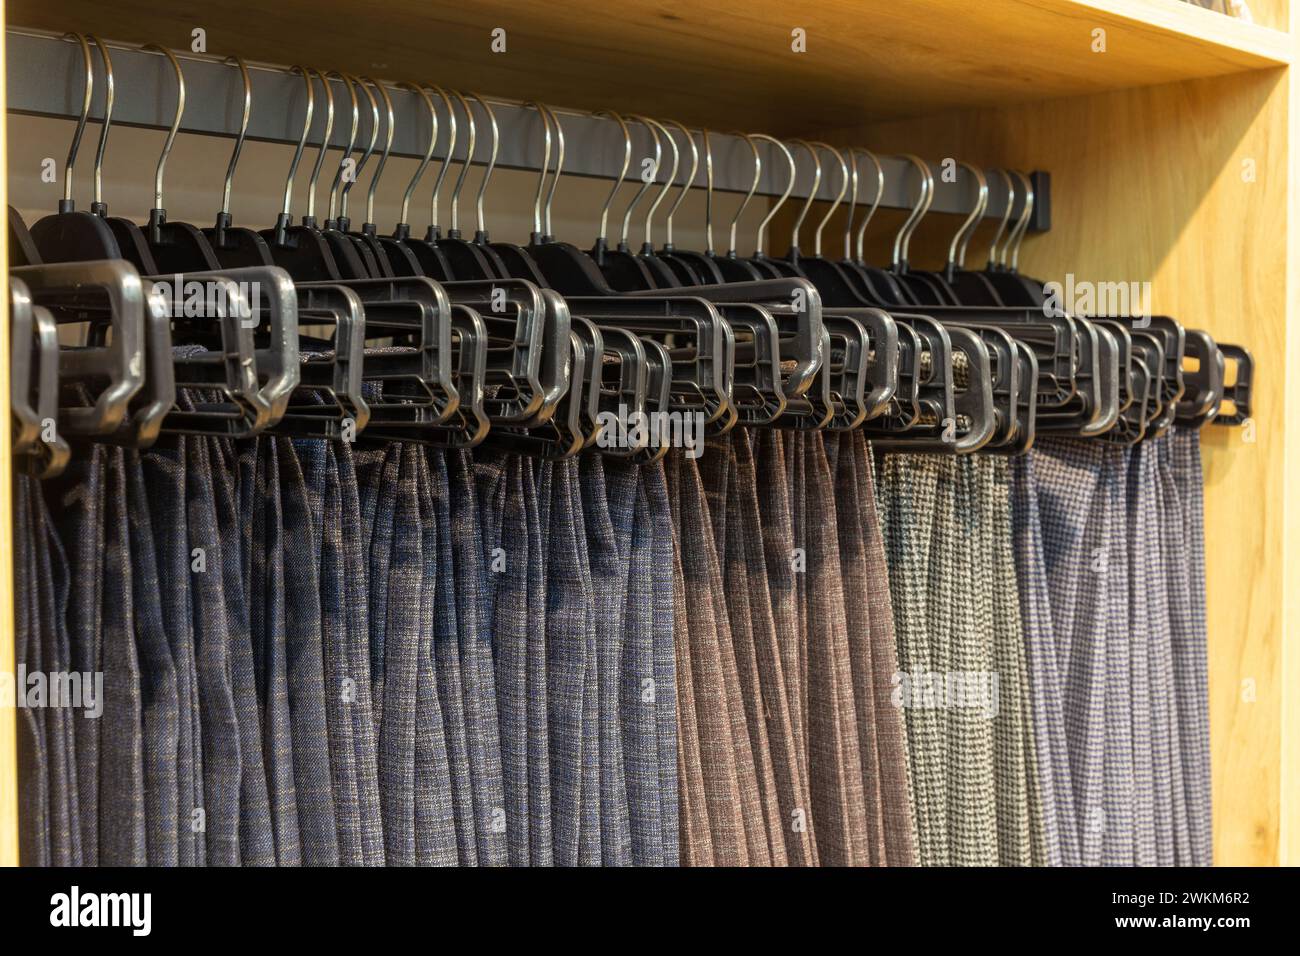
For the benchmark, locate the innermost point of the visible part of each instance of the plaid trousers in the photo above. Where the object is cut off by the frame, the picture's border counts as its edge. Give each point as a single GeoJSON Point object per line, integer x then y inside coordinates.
{"type": "Point", "coordinates": [1110, 555]}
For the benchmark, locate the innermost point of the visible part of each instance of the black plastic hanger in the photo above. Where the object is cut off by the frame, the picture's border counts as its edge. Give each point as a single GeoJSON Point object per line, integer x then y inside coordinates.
{"type": "Point", "coordinates": [490, 249]}
{"type": "Point", "coordinates": [875, 285]}
{"type": "Point", "coordinates": [354, 256]}
{"type": "Point", "coordinates": [730, 266]}
{"type": "Point", "coordinates": [232, 245]}
{"type": "Point", "coordinates": [433, 261]}
{"type": "Point", "coordinates": [397, 248]}
{"type": "Point", "coordinates": [766, 266]}
{"type": "Point", "coordinates": [175, 246]}
{"type": "Point", "coordinates": [69, 235]}
{"type": "Point", "coordinates": [567, 269]}
{"type": "Point", "coordinates": [661, 273]}
{"type": "Point", "coordinates": [623, 270]}
{"type": "Point", "coordinates": [467, 260]}
{"type": "Point", "coordinates": [691, 268]}
{"type": "Point", "coordinates": [300, 250]}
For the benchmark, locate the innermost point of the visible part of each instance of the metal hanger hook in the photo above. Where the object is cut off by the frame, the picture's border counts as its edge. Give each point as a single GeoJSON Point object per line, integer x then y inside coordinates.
{"type": "Point", "coordinates": [428, 153]}
{"type": "Point", "coordinates": [1018, 236]}
{"type": "Point", "coordinates": [470, 142]}
{"type": "Point", "coordinates": [875, 201]}
{"type": "Point", "coordinates": [708, 193]}
{"type": "Point", "coordinates": [1006, 217]}
{"type": "Point", "coordinates": [347, 80]}
{"type": "Point", "coordinates": [753, 187]}
{"type": "Point", "coordinates": [672, 174]}
{"type": "Point", "coordinates": [812, 193]}
{"type": "Point", "coordinates": [904, 236]}
{"type": "Point", "coordinates": [302, 140]}
{"type": "Point", "coordinates": [559, 165]}
{"type": "Point", "coordinates": [844, 185]}
{"type": "Point", "coordinates": [108, 117]}
{"type": "Point", "coordinates": [324, 146]}
{"type": "Point", "coordinates": [480, 223]}
{"type": "Point", "coordinates": [853, 205]}
{"type": "Point", "coordinates": [622, 173]}
{"type": "Point", "coordinates": [359, 82]}
{"type": "Point", "coordinates": [645, 182]}
{"type": "Point", "coordinates": [86, 97]}
{"type": "Point", "coordinates": [686, 184]}
{"type": "Point", "coordinates": [546, 167]}
{"type": "Point", "coordinates": [176, 121]}
{"type": "Point", "coordinates": [957, 248]}
{"type": "Point", "coordinates": [446, 160]}
{"type": "Point", "coordinates": [789, 187]}
{"type": "Point", "coordinates": [243, 131]}
{"type": "Point", "coordinates": [388, 146]}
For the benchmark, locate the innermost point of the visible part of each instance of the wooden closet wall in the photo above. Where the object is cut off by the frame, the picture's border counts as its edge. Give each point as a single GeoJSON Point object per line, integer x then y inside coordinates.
{"type": "Point", "coordinates": [1174, 158]}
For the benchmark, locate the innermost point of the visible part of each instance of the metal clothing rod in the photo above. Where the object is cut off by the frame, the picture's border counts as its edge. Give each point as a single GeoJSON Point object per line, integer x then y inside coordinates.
{"type": "Point", "coordinates": [46, 75]}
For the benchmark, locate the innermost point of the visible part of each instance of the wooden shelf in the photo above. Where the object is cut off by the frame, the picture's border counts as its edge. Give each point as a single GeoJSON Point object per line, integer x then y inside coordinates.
{"type": "Point", "coordinates": [725, 64]}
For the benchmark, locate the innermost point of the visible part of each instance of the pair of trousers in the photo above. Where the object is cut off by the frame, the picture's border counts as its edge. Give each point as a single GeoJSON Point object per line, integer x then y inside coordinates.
{"type": "Point", "coordinates": [964, 682]}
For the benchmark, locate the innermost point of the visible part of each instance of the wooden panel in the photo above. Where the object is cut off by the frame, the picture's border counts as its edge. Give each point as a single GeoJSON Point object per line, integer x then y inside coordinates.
{"type": "Point", "coordinates": [1289, 854]}
{"type": "Point", "coordinates": [1149, 185]}
{"type": "Point", "coordinates": [718, 63]}
{"type": "Point", "coordinates": [8, 722]}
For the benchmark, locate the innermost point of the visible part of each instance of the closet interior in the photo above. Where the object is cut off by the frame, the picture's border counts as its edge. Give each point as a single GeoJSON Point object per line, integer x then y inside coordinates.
{"type": "Point", "coordinates": [454, 218]}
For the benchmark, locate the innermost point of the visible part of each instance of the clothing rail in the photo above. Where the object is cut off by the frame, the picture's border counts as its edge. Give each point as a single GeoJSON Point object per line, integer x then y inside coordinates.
{"type": "Point", "coordinates": [45, 74]}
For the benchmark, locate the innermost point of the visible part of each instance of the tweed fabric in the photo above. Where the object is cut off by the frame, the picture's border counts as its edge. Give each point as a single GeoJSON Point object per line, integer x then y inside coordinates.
{"type": "Point", "coordinates": [666, 678]}
{"type": "Point", "coordinates": [477, 678]}
{"type": "Point", "coordinates": [775, 506]}
{"type": "Point", "coordinates": [724, 495]}
{"type": "Point", "coordinates": [1055, 793]}
{"type": "Point", "coordinates": [720, 796]}
{"type": "Point", "coordinates": [1121, 543]}
{"type": "Point", "coordinates": [218, 724]}
{"type": "Point", "coordinates": [1182, 459]}
{"type": "Point", "coordinates": [609, 592]}
{"type": "Point", "coordinates": [895, 787]}
{"type": "Point", "coordinates": [256, 831]}
{"type": "Point", "coordinates": [834, 763]}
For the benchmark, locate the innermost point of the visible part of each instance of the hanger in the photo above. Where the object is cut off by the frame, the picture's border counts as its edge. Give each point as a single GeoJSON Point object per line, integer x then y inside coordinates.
{"type": "Point", "coordinates": [353, 252]}
{"type": "Point", "coordinates": [767, 267]}
{"type": "Point", "coordinates": [875, 285]}
{"type": "Point", "coordinates": [236, 246]}
{"type": "Point", "coordinates": [518, 261]}
{"type": "Point", "coordinates": [301, 251]}
{"type": "Point", "coordinates": [568, 270]}
{"type": "Point", "coordinates": [131, 241]}
{"type": "Point", "coordinates": [431, 260]}
{"type": "Point", "coordinates": [221, 325]}
{"type": "Point", "coordinates": [922, 288]}
{"type": "Point", "coordinates": [106, 374]}
{"type": "Point", "coordinates": [731, 267]}
{"type": "Point", "coordinates": [691, 268]}
{"type": "Point", "coordinates": [1012, 288]}
{"type": "Point", "coordinates": [176, 246]}
{"type": "Point", "coordinates": [661, 273]}
{"type": "Point", "coordinates": [467, 260]}
{"type": "Point", "coordinates": [836, 284]}
{"type": "Point", "coordinates": [34, 347]}
{"type": "Point", "coordinates": [69, 235]}
{"type": "Point", "coordinates": [621, 267]}
{"type": "Point", "coordinates": [971, 287]}
{"type": "Point", "coordinates": [402, 257]}
{"type": "Point", "coordinates": [367, 239]}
